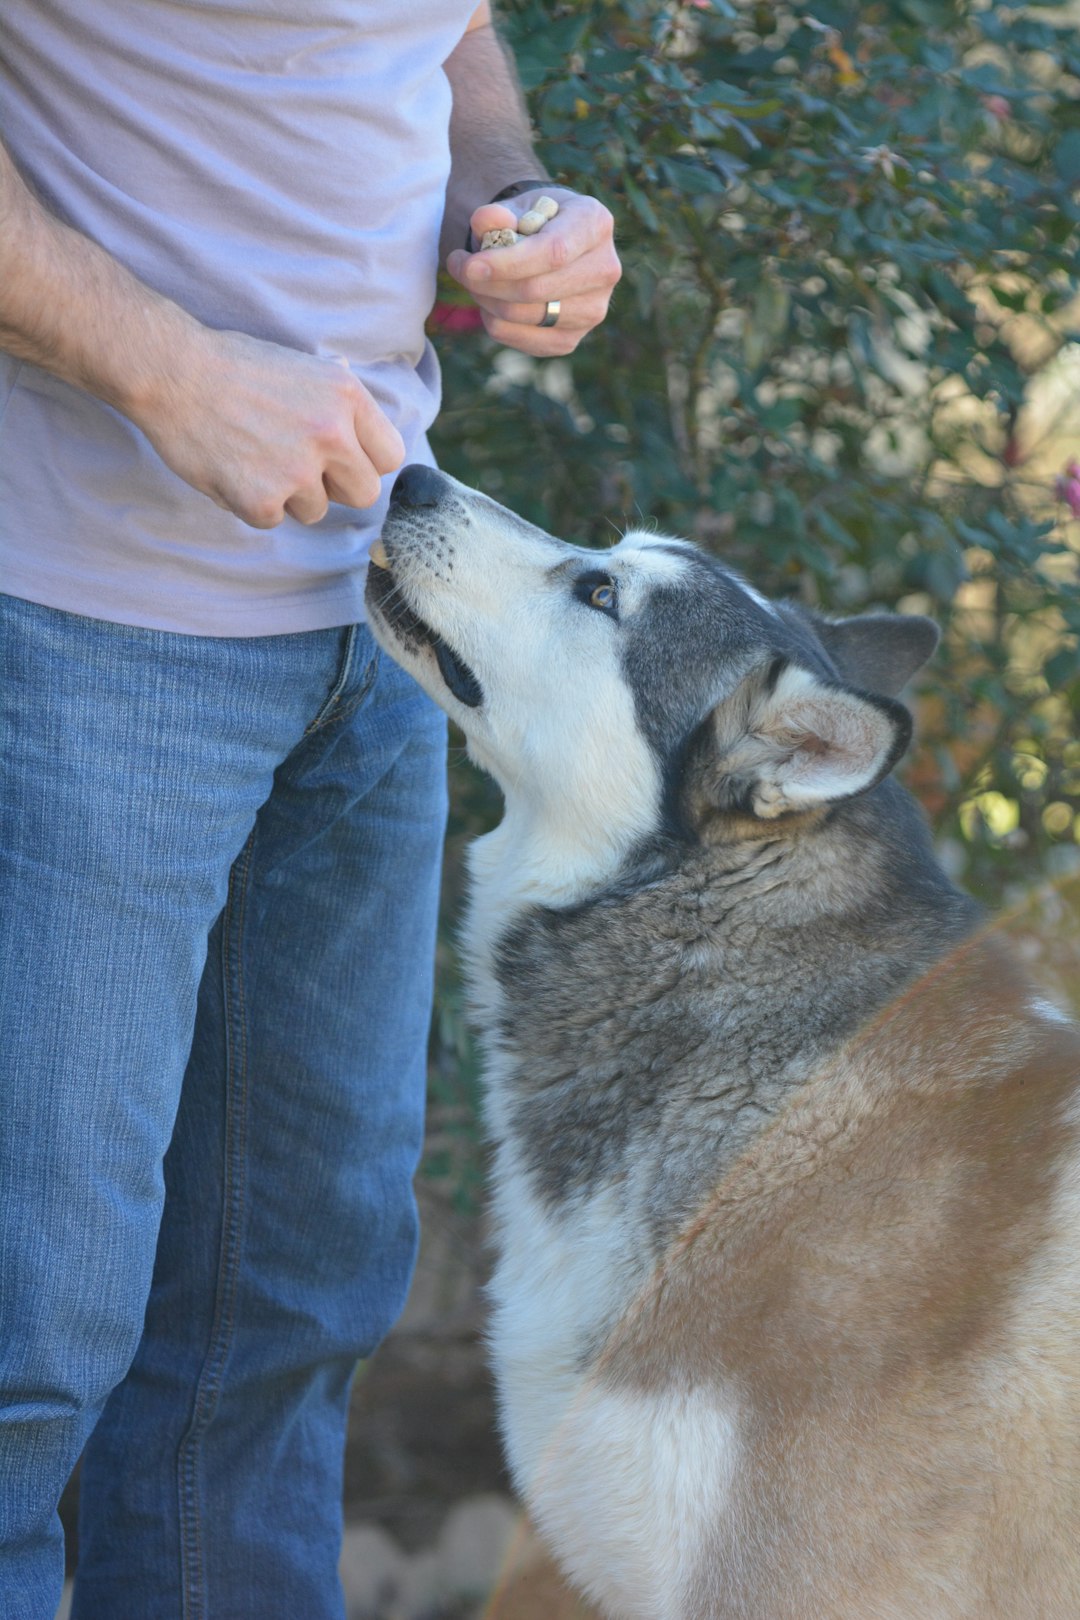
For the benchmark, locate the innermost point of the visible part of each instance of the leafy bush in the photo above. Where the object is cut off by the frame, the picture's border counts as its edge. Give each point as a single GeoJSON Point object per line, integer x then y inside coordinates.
{"type": "Point", "coordinates": [849, 236]}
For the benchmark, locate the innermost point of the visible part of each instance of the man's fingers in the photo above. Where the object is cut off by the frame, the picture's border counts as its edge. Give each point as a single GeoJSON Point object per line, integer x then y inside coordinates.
{"type": "Point", "coordinates": [353, 483]}
{"type": "Point", "coordinates": [267, 431]}
{"type": "Point", "coordinates": [307, 506]}
{"type": "Point", "coordinates": [521, 314]}
{"type": "Point", "coordinates": [528, 257]}
{"type": "Point", "coordinates": [257, 511]}
{"type": "Point", "coordinates": [582, 230]}
{"type": "Point", "coordinates": [377, 436]}
{"type": "Point", "coordinates": [596, 271]}
{"type": "Point", "coordinates": [351, 458]}
{"type": "Point", "coordinates": [492, 217]}
{"type": "Point", "coordinates": [575, 315]}
{"type": "Point", "coordinates": [542, 342]}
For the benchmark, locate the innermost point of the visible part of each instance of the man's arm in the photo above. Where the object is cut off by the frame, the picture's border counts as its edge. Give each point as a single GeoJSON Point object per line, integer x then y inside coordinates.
{"type": "Point", "coordinates": [572, 260]}
{"type": "Point", "coordinates": [263, 430]}
{"type": "Point", "coordinates": [490, 140]}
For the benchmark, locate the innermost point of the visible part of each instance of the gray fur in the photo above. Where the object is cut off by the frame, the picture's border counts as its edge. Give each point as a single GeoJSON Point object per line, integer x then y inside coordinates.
{"type": "Point", "coordinates": [662, 1024]}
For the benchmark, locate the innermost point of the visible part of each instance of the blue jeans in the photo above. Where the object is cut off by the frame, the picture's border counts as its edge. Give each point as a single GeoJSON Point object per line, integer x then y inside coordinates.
{"type": "Point", "coordinates": [218, 892]}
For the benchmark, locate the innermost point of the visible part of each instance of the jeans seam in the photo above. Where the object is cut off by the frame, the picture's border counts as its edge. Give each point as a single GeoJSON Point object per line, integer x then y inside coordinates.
{"type": "Point", "coordinates": [326, 713]}
{"type": "Point", "coordinates": [193, 1579]}
{"type": "Point", "coordinates": [354, 702]}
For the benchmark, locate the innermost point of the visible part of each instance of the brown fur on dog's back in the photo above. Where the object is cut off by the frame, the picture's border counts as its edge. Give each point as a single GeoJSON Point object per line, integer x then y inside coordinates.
{"type": "Point", "coordinates": [887, 1283]}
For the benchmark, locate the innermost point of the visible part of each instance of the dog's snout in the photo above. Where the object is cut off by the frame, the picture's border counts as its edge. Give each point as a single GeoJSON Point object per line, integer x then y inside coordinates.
{"type": "Point", "coordinates": [417, 486]}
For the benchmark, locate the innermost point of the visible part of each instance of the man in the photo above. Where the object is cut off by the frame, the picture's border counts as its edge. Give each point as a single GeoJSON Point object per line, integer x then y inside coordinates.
{"type": "Point", "coordinates": [220, 811]}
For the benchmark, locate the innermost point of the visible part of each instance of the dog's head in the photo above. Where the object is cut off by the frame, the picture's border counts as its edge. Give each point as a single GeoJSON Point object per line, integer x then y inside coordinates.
{"type": "Point", "coordinates": [612, 694]}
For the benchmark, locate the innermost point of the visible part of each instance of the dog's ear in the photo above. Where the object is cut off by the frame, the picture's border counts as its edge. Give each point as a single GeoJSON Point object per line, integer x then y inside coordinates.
{"type": "Point", "coordinates": [879, 652]}
{"type": "Point", "coordinates": [792, 740]}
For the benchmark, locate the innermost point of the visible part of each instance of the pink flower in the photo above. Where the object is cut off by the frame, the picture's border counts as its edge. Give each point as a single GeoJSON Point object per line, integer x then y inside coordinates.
{"type": "Point", "coordinates": [997, 107]}
{"type": "Point", "coordinates": [456, 318]}
{"type": "Point", "coordinates": [1067, 487]}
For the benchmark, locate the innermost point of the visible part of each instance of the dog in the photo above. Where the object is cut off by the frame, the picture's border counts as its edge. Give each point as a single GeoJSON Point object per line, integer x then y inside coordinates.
{"type": "Point", "coordinates": [786, 1151]}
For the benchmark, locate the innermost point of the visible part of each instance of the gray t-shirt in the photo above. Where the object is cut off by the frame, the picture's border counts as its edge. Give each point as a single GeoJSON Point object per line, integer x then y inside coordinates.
{"type": "Point", "coordinates": [278, 167]}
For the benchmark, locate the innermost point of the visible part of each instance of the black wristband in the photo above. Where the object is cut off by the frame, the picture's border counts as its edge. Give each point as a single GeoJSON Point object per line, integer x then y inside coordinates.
{"type": "Point", "coordinates": [514, 190]}
{"type": "Point", "coordinates": [518, 187]}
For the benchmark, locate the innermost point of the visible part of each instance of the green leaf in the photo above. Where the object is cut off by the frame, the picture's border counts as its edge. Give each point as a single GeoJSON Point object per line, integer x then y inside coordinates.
{"type": "Point", "coordinates": [835, 531]}
{"type": "Point", "coordinates": [1067, 157]}
{"type": "Point", "coordinates": [783, 414]}
{"type": "Point", "coordinates": [640, 203]}
{"type": "Point", "coordinates": [766, 322]}
{"type": "Point", "coordinates": [1063, 668]}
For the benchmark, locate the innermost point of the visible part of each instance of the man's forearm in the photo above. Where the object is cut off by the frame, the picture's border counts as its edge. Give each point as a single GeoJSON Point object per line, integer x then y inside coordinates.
{"type": "Point", "coordinates": [69, 307]}
{"type": "Point", "coordinates": [490, 140]}
{"type": "Point", "coordinates": [261, 429]}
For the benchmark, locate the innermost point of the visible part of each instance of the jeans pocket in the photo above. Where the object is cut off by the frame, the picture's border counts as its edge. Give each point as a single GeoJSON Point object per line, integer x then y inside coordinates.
{"type": "Point", "coordinates": [359, 663]}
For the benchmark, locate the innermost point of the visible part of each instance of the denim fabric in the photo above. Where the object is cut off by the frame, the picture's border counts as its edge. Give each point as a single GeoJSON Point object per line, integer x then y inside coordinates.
{"type": "Point", "coordinates": [218, 882]}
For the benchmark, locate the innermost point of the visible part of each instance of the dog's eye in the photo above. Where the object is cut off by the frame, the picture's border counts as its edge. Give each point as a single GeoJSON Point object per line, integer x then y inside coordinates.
{"type": "Point", "coordinates": [598, 591]}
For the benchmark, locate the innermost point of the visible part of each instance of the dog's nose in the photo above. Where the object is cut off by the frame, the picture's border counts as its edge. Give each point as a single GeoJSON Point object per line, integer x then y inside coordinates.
{"type": "Point", "coordinates": [417, 486]}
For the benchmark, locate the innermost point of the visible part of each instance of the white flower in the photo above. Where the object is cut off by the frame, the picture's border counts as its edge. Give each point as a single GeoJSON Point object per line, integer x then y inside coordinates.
{"type": "Point", "coordinates": [885, 159]}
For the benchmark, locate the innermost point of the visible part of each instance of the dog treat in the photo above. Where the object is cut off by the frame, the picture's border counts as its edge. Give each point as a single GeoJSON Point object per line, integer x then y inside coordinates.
{"type": "Point", "coordinates": [542, 210]}
{"type": "Point", "coordinates": [504, 237]}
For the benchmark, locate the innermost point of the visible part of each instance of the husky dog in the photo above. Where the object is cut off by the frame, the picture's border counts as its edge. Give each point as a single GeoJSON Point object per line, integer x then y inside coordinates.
{"type": "Point", "coordinates": [786, 1314]}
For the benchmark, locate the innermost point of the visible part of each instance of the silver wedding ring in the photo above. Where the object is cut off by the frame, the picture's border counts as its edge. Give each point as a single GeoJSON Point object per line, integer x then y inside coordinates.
{"type": "Point", "coordinates": [551, 313]}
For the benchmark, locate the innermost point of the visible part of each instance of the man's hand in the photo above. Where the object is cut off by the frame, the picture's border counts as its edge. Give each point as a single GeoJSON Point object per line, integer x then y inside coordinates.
{"type": "Point", "coordinates": [572, 259]}
{"type": "Point", "coordinates": [261, 429]}
{"type": "Point", "coordinates": [265, 430]}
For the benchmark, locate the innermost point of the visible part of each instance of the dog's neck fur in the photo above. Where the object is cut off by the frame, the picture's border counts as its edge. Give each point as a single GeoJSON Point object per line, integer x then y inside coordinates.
{"type": "Point", "coordinates": [577, 1063]}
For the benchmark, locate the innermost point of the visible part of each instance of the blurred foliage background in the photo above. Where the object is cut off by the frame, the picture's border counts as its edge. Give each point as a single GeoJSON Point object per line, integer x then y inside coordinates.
{"type": "Point", "coordinates": [841, 357]}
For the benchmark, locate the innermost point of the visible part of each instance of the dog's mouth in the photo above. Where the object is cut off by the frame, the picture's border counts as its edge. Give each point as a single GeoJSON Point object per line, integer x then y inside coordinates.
{"type": "Point", "coordinates": [414, 633]}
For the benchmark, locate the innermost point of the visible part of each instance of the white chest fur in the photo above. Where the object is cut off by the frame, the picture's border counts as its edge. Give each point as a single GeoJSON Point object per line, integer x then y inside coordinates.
{"type": "Point", "coordinates": [625, 1484]}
